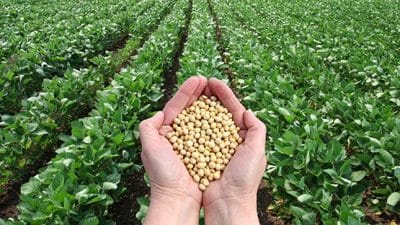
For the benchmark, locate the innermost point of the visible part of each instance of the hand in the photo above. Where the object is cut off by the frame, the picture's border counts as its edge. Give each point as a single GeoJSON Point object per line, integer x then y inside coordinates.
{"type": "Point", "coordinates": [175, 197]}
{"type": "Point", "coordinates": [233, 199]}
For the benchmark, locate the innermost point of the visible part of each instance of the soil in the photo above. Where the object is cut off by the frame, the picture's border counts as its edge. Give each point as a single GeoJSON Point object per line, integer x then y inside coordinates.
{"type": "Point", "coordinates": [382, 218]}
{"type": "Point", "coordinates": [169, 73]}
{"type": "Point", "coordinates": [9, 199]}
{"type": "Point", "coordinates": [264, 199]}
{"type": "Point", "coordinates": [124, 211]}
{"type": "Point", "coordinates": [119, 43]}
{"type": "Point", "coordinates": [221, 48]}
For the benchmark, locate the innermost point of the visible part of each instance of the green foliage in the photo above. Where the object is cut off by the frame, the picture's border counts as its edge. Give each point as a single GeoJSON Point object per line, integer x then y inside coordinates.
{"type": "Point", "coordinates": [323, 76]}
{"type": "Point", "coordinates": [333, 133]}
{"type": "Point", "coordinates": [83, 180]}
{"type": "Point", "coordinates": [200, 56]}
{"type": "Point", "coordinates": [47, 116]}
{"type": "Point", "coordinates": [41, 42]}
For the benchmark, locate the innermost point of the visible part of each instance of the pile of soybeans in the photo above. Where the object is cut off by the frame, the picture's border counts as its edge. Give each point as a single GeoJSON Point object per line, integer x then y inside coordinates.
{"type": "Point", "coordinates": [205, 138]}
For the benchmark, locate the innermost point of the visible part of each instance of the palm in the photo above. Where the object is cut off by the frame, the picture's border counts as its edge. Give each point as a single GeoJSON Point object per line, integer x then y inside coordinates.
{"type": "Point", "coordinates": [167, 173]}
{"type": "Point", "coordinates": [170, 172]}
{"type": "Point", "coordinates": [243, 173]}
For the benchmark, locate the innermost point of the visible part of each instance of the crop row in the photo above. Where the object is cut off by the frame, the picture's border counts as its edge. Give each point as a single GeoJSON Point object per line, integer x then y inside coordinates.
{"type": "Point", "coordinates": [35, 131]}
{"type": "Point", "coordinates": [47, 40]}
{"type": "Point", "coordinates": [81, 182]}
{"type": "Point", "coordinates": [200, 56]}
{"type": "Point", "coordinates": [324, 139]}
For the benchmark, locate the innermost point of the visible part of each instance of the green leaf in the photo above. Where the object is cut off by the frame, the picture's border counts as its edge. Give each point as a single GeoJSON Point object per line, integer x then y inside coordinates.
{"type": "Point", "coordinates": [305, 198]}
{"type": "Point", "coordinates": [144, 206]}
{"type": "Point", "coordinates": [393, 198]}
{"type": "Point", "coordinates": [109, 186]}
{"type": "Point", "coordinates": [285, 112]}
{"type": "Point", "coordinates": [335, 151]}
{"type": "Point", "coordinates": [30, 187]}
{"type": "Point", "coordinates": [90, 221]}
{"type": "Point", "coordinates": [386, 156]}
{"type": "Point", "coordinates": [118, 138]}
{"type": "Point", "coordinates": [358, 175]}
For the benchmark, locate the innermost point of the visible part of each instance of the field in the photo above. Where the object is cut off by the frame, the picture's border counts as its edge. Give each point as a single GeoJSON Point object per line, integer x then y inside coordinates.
{"type": "Point", "coordinates": [77, 77]}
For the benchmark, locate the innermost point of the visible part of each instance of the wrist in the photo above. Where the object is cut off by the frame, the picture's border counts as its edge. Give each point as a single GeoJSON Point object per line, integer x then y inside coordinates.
{"type": "Point", "coordinates": [232, 211]}
{"type": "Point", "coordinates": [172, 209]}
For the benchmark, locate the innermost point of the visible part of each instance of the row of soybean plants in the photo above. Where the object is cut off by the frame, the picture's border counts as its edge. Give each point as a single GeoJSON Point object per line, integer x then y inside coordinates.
{"type": "Point", "coordinates": [311, 171]}
{"type": "Point", "coordinates": [200, 57]}
{"type": "Point", "coordinates": [47, 116]}
{"type": "Point", "coordinates": [352, 79]}
{"type": "Point", "coordinates": [83, 180]}
{"type": "Point", "coordinates": [42, 40]}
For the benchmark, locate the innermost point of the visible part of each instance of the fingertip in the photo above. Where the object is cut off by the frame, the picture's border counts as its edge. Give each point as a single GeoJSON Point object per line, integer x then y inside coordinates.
{"type": "Point", "coordinates": [191, 83]}
{"type": "Point", "coordinates": [250, 120]}
{"type": "Point", "coordinates": [159, 115]}
{"type": "Point", "coordinates": [155, 121]}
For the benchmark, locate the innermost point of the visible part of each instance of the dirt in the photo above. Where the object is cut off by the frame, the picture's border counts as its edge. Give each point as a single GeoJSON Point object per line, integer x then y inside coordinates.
{"type": "Point", "coordinates": [222, 49]}
{"type": "Point", "coordinates": [372, 217]}
{"type": "Point", "coordinates": [120, 43]}
{"type": "Point", "coordinates": [124, 211]}
{"type": "Point", "coordinates": [10, 198]}
{"type": "Point", "coordinates": [169, 73]}
{"type": "Point", "coordinates": [264, 199]}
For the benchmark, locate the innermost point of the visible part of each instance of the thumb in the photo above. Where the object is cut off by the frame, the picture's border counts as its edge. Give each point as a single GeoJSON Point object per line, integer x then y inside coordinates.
{"type": "Point", "coordinates": [149, 129]}
{"type": "Point", "coordinates": [256, 132]}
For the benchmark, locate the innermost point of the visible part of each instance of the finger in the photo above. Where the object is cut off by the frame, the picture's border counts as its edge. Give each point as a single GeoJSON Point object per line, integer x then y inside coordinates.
{"type": "Point", "coordinates": [149, 129]}
{"type": "Point", "coordinates": [199, 90]}
{"type": "Point", "coordinates": [256, 132]}
{"type": "Point", "coordinates": [181, 99]}
{"type": "Point", "coordinates": [164, 130]}
{"type": "Point", "coordinates": [228, 99]}
{"type": "Point", "coordinates": [207, 91]}
{"type": "Point", "coordinates": [242, 133]}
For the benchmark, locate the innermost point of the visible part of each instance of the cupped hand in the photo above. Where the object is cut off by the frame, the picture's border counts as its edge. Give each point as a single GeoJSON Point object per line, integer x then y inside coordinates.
{"type": "Point", "coordinates": [171, 184]}
{"type": "Point", "coordinates": [235, 194]}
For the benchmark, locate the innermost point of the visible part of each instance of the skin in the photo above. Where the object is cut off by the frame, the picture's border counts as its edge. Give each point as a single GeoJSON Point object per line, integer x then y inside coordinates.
{"type": "Point", "coordinates": [175, 197]}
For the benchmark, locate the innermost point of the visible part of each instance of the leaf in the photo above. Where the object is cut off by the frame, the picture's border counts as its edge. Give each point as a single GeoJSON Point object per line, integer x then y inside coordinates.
{"type": "Point", "coordinates": [109, 186]}
{"type": "Point", "coordinates": [118, 138]}
{"type": "Point", "coordinates": [30, 187]}
{"type": "Point", "coordinates": [386, 156]}
{"type": "Point", "coordinates": [90, 221]}
{"type": "Point", "coordinates": [305, 198]}
{"type": "Point", "coordinates": [358, 175]}
{"type": "Point", "coordinates": [87, 140]}
{"type": "Point", "coordinates": [335, 151]}
{"type": "Point", "coordinates": [285, 112]}
{"type": "Point", "coordinates": [144, 206]}
{"type": "Point", "coordinates": [32, 127]}
{"type": "Point", "coordinates": [393, 198]}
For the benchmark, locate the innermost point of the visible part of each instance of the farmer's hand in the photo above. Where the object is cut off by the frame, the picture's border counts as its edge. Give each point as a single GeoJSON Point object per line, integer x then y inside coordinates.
{"type": "Point", "coordinates": [233, 199]}
{"type": "Point", "coordinates": [175, 197]}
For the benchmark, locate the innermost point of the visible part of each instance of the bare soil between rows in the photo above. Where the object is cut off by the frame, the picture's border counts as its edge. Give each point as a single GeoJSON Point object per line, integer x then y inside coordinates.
{"type": "Point", "coordinates": [222, 49]}
{"type": "Point", "coordinates": [169, 73]}
{"type": "Point", "coordinates": [10, 198]}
